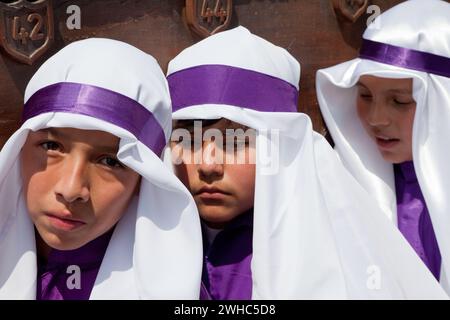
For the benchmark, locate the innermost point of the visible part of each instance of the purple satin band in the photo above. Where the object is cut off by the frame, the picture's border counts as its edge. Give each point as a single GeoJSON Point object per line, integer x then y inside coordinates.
{"type": "Point", "coordinates": [101, 104]}
{"type": "Point", "coordinates": [406, 58]}
{"type": "Point", "coordinates": [220, 84]}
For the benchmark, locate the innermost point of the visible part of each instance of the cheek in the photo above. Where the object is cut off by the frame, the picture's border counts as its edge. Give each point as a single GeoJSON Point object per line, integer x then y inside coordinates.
{"type": "Point", "coordinates": [362, 112]}
{"type": "Point", "coordinates": [181, 153]}
{"type": "Point", "coordinates": [37, 181]}
{"type": "Point", "coordinates": [112, 197]}
{"type": "Point", "coordinates": [408, 123]}
{"type": "Point", "coordinates": [186, 173]}
{"type": "Point", "coordinates": [244, 174]}
{"type": "Point", "coordinates": [37, 189]}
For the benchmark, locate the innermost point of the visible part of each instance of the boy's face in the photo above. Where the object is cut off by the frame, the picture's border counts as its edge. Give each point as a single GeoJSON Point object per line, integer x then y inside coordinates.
{"type": "Point", "coordinates": [74, 186]}
{"type": "Point", "coordinates": [386, 109]}
{"type": "Point", "coordinates": [222, 188]}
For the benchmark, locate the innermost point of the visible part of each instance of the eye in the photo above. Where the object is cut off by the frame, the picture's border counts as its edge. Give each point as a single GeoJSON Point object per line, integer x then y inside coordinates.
{"type": "Point", "coordinates": [241, 142]}
{"type": "Point", "coordinates": [50, 146]}
{"type": "Point", "coordinates": [235, 145]}
{"type": "Point", "coordinates": [365, 96]}
{"type": "Point", "coordinates": [195, 146]}
{"type": "Point", "coordinates": [187, 144]}
{"type": "Point", "coordinates": [179, 140]}
{"type": "Point", "coordinates": [364, 93]}
{"type": "Point", "coordinates": [402, 101]}
{"type": "Point", "coordinates": [111, 162]}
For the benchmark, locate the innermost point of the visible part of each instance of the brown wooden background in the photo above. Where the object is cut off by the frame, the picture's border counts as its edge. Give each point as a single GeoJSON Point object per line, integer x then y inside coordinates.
{"type": "Point", "coordinates": [309, 29]}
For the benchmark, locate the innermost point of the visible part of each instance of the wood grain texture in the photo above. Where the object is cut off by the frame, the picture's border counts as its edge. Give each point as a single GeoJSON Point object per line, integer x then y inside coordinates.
{"type": "Point", "coordinates": [307, 29]}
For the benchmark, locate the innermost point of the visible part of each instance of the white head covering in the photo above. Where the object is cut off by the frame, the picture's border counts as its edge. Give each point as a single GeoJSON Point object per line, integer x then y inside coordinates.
{"type": "Point", "coordinates": [315, 229]}
{"type": "Point", "coordinates": [413, 41]}
{"type": "Point", "coordinates": [155, 250]}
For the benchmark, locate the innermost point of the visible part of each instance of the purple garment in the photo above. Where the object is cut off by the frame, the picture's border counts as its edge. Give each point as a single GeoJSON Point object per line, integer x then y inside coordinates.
{"type": "Point", "coordinates": [227, 85]}
{"type": "Point", "coordinates": [226, 267]}
{"type": "Point", "coordinates": [99, 103]}
{"type": "Point", "coordinates": [414, 220]}
{"type": "Point", "coordinates": [54, 275]}
{"type": "Point", "coordinates": [405, 57]}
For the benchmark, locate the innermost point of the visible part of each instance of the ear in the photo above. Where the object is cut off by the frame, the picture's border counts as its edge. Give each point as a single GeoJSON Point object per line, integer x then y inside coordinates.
{"type": "Point", "coordinates": [350, 10]}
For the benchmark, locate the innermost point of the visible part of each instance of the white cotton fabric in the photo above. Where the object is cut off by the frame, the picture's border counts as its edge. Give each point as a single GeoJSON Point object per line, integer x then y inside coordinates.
{"type": "Point", "coordinates": [155, 251]}
{"type": "Point", "coordinates": [419, 25]}
{"type": "Point", "coordinates": [317, 233]}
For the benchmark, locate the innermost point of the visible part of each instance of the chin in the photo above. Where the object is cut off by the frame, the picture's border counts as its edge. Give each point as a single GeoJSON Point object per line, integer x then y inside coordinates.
{"type": "Point", "coordinates": [59, 243]}
{"type": "Point", "coordinates": [66, 247]}
{"type": "Point", "coordinates": [395, 159]}
{"type": "Point", "coordinates": [216, 219]}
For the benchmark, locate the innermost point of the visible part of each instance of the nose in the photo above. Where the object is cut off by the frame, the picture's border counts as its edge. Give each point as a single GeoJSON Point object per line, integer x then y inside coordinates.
{"type": "Point", "coordinates": [73, 183]}
{"type": "Point", "coordinates": [378, 115]}
{"type": "Point", "coordinates": [212, 165]}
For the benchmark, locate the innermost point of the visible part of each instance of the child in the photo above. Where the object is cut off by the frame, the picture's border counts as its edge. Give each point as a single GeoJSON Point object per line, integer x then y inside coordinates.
{"type": "Point", "coordinates": [88, 210]}
{"type": "Point", "coordinates": [282, 219]}
{"type": "Point", "coordinates": [388, 114]}
{"type": "Point", "coordinates": [226, 207]}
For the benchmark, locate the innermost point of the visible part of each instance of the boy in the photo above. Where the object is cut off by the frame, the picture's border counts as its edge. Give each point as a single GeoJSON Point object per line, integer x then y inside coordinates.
{"type": "Point", "coordinates": [82, 187]}
{"type": "Point", "coordinates": [282, 218]}
{"type": "Point", "coordinates": [388, 114]}
{"type": "Point", "coordinates": [226, 207]}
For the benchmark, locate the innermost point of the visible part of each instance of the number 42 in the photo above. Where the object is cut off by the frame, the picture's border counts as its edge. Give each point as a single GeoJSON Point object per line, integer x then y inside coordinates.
{"type": "Point", "coordinates": [20, 33]}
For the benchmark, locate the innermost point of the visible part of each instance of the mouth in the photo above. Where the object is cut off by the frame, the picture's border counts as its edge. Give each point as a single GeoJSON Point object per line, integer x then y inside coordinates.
{"type": "Point", "coordinates": [64, 223]}
{"type": "Point", "coordinates": [211, 193]}
{"type": "Point", "coordinates": [385, 142]}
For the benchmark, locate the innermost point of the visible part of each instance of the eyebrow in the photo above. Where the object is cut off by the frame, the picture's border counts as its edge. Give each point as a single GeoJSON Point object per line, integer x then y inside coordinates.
{"type": "Point", "coordinates": [404, 91]}
{"type": "Point", "coordinates": [98, 147]}
{"type": "Point", "coordinates": [55, 133]}
{"type": "Point", "coordinates": [106, 149]}
{"type": "Point", "coordinates": [210, 124]}
{"type": "Point", "coordinates": [361, 84]}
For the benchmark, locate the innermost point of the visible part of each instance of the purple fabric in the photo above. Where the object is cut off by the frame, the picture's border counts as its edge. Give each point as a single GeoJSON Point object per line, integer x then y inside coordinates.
{"type": "Point", "coordinates": [226, 267]}
{"type": "Point", "coordinates": [53, 275]}
{"type": "Point", "coordinates": [414, 219]}
{"type": "Point", "coordinates": [405, 58]}
{"type": "Point", "coordinates": [220, 84]}
{"type": "Point", "coordinates": [99, 103]}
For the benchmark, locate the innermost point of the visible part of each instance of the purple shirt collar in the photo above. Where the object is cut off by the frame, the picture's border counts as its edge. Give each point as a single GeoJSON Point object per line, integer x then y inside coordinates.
{"type": "Point", "coordinates": [89, 254]}
{"type": "Point", "coordinates": [414, 220]}
{"type": "Point", "coordinates": [407, 171]}
{"type": "Point", "coordinates": [56, 272]}
{"type": "Point", "coordinates": [226, 269]}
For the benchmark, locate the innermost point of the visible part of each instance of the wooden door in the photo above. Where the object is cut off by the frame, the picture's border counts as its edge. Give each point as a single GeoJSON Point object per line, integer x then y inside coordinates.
{"type": "Point", "coordinates": [319, 33]}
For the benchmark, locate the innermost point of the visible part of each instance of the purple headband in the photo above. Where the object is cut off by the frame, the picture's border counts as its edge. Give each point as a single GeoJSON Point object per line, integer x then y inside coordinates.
{"type": "Point", "coordinates": [220, 84]}
{"type": "Point", "coordinates": [101, 104]}
{"type": "Point", "coordinates": [406, 58]}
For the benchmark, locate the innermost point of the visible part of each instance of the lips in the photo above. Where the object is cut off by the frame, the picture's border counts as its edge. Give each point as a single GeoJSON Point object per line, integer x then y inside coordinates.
{"type": "Point", "coordinates": [64, 223]}
{"type": "Point", "coordinates": [385, 142]}
{"type": "Point", "coordinates": [211, 193]}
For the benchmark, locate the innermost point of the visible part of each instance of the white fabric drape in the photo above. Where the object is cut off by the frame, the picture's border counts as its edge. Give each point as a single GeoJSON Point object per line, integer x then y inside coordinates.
{"type": "Point", "coordinates": [419, 25]}
{"type": "Point", "coordinates": [317, 233]}
{"type": "Point", "coordinates": [155, 251]}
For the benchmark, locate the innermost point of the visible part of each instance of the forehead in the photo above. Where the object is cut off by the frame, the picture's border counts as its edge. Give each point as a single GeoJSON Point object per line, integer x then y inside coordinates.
{"type": "Point", "coordinates": [220, 124]}
{"type": "Point", "coordinates": [402, 85]}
